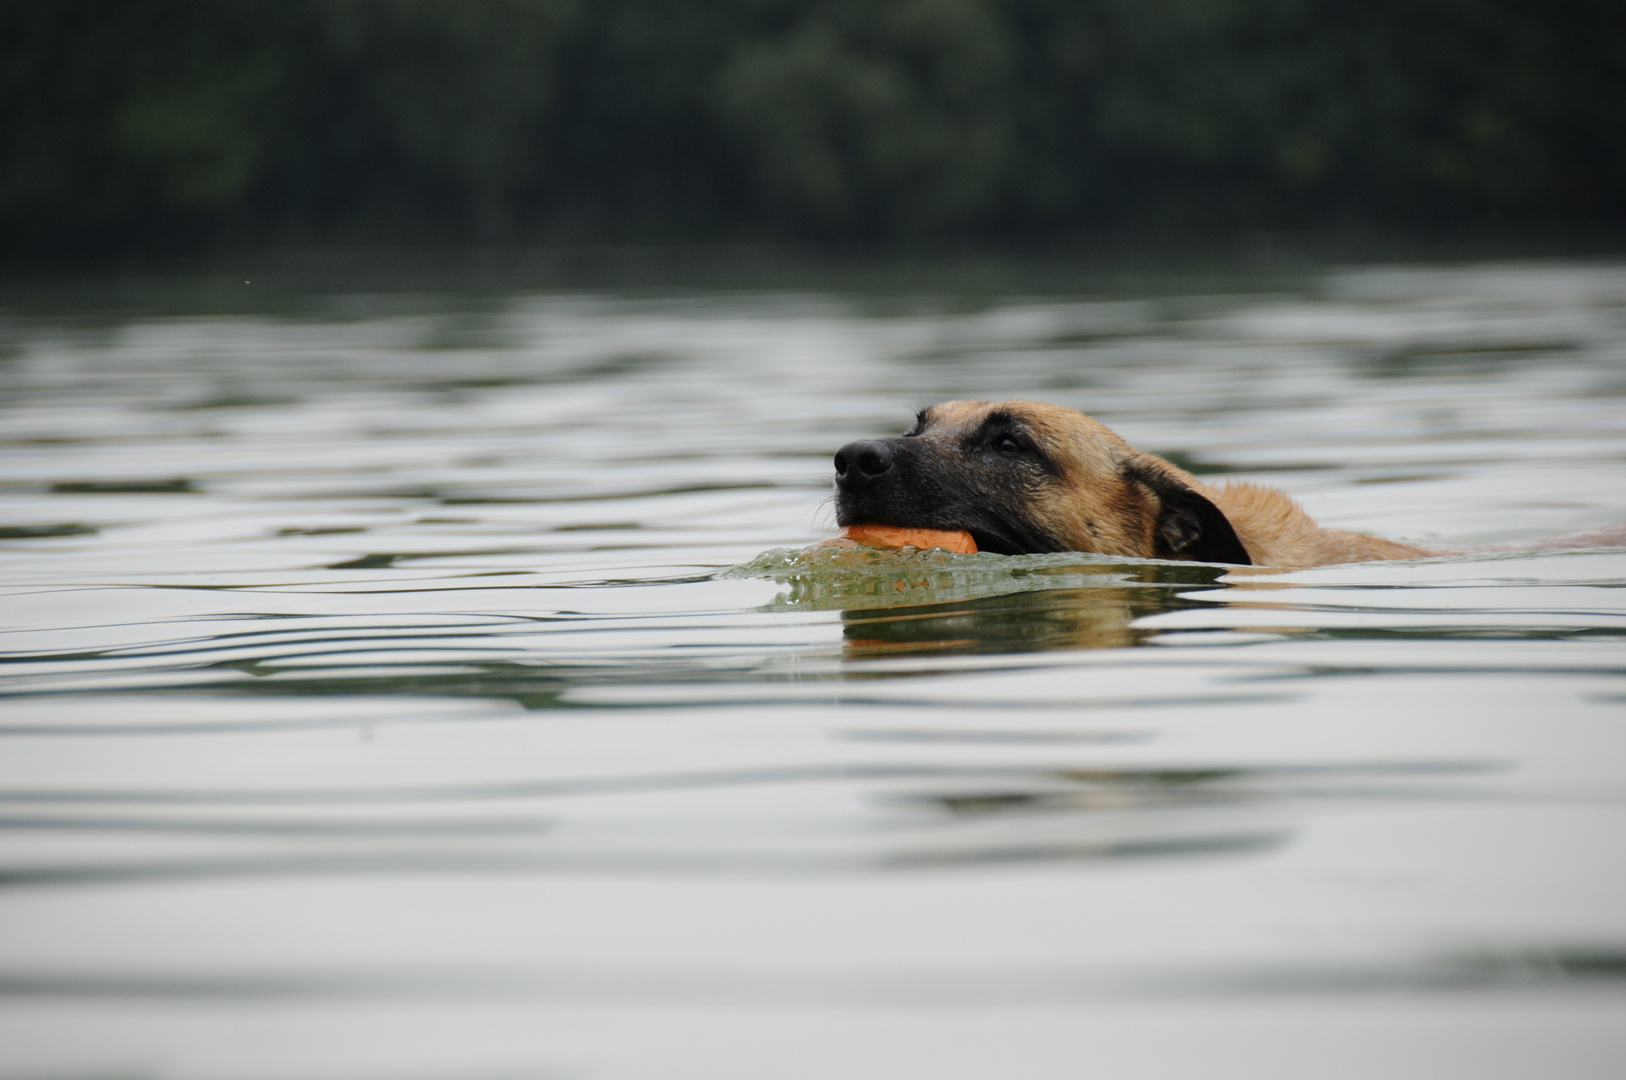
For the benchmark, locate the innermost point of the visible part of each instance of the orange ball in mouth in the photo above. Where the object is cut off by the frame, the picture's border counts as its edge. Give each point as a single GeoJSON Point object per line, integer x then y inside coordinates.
{"type": "Point", "coordinates": [896, 536]}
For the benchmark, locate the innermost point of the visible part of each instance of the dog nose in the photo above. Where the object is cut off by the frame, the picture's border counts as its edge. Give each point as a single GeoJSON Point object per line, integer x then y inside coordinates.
{"type": "Point", "coordinates": [860, 462]}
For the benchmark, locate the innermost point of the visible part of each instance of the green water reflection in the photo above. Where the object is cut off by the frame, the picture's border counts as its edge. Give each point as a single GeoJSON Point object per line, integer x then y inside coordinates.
{"type": "Point", "coordinates": [932, 601]}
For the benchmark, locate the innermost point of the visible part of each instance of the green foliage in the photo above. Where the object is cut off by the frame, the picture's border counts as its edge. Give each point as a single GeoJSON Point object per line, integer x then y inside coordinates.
{"type": "Point", "coordinates": [440, 107]}
{"type": "Point", "coordinates": [887, 116]}
{"type": "Point", "coordinates": [142, 124]}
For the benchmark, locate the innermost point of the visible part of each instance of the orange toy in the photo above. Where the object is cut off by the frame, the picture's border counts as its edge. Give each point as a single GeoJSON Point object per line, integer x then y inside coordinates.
{"type": "Point", "coordinates": [895, 536]}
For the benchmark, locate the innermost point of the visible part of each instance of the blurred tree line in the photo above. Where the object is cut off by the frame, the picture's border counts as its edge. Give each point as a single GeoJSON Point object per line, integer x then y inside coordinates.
{"type": "Point", "coordinates": [152, 124]}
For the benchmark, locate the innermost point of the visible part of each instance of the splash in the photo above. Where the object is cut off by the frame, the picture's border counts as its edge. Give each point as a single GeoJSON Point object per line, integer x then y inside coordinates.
{"type": "Point", "coordinates": [829, 577]}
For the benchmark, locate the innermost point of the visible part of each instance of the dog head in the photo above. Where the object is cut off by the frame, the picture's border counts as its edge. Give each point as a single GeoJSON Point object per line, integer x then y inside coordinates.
{"type": "Point", "coordinates": [1022, 477]}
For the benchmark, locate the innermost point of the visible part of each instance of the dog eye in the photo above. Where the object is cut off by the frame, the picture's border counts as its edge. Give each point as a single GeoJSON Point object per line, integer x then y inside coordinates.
{"type": "Point", "coordinates": [1007, 445]}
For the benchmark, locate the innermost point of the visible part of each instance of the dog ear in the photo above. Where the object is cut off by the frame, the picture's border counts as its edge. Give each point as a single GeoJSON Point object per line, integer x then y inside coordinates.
{"type": "Point", "coordinates": [1188, 526]}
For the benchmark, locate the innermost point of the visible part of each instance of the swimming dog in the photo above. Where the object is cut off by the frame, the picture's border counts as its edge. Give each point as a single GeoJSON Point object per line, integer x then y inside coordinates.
{"type": "Point", "coordinates": [1023, 477]}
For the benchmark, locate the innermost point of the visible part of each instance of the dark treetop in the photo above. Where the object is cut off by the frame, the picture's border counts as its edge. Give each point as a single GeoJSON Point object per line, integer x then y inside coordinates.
{"type": "Point", "coordinates": [140, 125]}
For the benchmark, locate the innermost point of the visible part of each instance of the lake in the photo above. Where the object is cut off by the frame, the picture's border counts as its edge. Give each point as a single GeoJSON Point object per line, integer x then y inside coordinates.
{"type": "Point", "coordinates": [432, 682]}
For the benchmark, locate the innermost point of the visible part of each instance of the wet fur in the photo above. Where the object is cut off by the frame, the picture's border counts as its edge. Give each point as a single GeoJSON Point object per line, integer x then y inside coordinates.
{"type": "Point", "coordinates": [1024, 476]}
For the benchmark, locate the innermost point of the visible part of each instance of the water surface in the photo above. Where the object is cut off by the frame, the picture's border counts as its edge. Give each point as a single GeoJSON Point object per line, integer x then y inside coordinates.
{"type": "Point", "coordinates": [432, 685]}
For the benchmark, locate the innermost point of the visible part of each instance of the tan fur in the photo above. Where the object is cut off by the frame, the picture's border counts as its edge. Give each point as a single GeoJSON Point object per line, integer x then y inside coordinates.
{"type": "Point", "coordinates": [1097, 506]}
{"type": "Point", "coordinates": [1277, 532]}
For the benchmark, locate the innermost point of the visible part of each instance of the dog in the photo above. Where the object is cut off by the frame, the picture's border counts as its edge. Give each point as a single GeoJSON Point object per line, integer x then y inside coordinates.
{"type": "Point", "coordinates": [1024, 477]}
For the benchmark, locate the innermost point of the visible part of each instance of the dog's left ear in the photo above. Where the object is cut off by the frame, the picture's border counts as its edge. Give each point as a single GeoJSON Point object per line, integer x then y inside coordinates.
{"type": "Point", "coordinates": [1188, 526]}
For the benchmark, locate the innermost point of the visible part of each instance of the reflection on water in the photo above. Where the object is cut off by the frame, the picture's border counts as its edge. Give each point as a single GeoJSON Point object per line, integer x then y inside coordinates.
{"type": "Point", "coordinates": [913, 600]}
{"type": "Point", "coordinates": [1098, 618]}
{"type": "Point", "coordinates": [368, 656]}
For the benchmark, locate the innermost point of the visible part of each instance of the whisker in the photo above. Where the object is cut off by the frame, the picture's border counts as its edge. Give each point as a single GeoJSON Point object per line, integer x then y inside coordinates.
{"type": "Point", "coordinates": [824, 513]}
